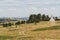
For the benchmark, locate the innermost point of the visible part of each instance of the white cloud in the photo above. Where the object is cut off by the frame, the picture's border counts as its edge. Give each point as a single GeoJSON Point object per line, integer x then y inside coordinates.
{"type": "Point", "coordinates": [48, 11]}
{"type": "Point", "coordinates": [23, 7]}
{"type": "Point", "coordinates": [33, 8]}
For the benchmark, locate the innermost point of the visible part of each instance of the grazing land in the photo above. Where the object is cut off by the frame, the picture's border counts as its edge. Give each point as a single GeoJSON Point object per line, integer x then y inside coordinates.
{"type": "Point", "coordinates": [44, 30]}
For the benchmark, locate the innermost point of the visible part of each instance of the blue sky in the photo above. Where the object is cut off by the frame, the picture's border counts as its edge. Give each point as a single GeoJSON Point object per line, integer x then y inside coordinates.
{"type": "Point", "coordinates": [23, 8]}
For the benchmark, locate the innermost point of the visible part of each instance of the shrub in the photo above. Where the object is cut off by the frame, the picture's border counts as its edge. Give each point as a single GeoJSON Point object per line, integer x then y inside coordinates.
{"type": "Point", "coordinates": [7, 24]}
{"type": "Point", "coordinates": [22, 22]}
{"type": "Point", "coordinates": [10, 24]}
{"type": "Point", "coordinates": [17, 23]}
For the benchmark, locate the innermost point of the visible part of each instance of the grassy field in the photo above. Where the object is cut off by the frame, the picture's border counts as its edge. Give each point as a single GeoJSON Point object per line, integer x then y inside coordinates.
{"type": "Point", "coordinates": [41, 31]}
{"type": "Point", "coordinates": [48, 28]}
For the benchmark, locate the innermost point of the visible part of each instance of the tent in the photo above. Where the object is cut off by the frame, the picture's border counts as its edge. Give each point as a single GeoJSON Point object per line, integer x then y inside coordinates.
{"type": "Point", "coordinates": [52, 19]}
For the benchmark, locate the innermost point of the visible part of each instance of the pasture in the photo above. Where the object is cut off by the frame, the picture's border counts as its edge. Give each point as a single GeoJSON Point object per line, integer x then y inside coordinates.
{"type": "Point", "coordinates": [41, 31]}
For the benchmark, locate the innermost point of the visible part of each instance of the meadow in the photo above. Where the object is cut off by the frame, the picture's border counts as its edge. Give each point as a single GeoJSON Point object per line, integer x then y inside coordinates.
{"type": "Point", "coordinates": [43, 30]}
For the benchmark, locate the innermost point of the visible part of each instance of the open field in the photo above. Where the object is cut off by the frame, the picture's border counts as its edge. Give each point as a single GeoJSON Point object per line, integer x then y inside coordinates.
{"type": "Point", "coordinates": [40, 31]}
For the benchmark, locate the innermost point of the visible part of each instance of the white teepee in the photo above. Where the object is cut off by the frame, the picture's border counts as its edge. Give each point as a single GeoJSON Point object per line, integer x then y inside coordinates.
{"type": "Point", "coordinates": [52, 19]}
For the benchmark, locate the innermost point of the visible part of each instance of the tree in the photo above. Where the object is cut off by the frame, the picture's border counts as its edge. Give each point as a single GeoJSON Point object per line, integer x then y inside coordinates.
{"type": "Point", "coordinates": [10, 24]}
{"type": "Point", "coordinates": [47, 18]}
{"type": "Point", "coordinates": [7, 24]}
{"type": "Point", "coordinates": [35, 20]}
{"type": "Point", "coordinates": [17, 23]}
{"type": "Point", "coordinates": [43, 17]}
{"type": "Point", "coordinates": [39, 17]}
{"type": "Point", "coordinates": [56, 18]}
{"type": "Point", "coordinates": [22, 22]}
{"type": "Point", "coordinates": [32, 18]}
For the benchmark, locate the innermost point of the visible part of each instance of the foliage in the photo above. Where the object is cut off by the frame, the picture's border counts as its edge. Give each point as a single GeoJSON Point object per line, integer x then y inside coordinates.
{"type": "Point", "coordinates": [43, 17]}
{"type": "Point", "coordinates": [17, 23]}
{"type": "Point", "coordinates": [22, 22]}
{"type": "Point", "coordinates": [7, 24]}
{"type": "Point", "coordinates": [56, 18]}
{"type": "Point", "coordinates": [38, 17]}
{"type": "Point", "coordinates": [47, 18]}
{"type": "Point", "coordinates": [10, 24]}
{"type": "Point", "coordinates": [33, 18]}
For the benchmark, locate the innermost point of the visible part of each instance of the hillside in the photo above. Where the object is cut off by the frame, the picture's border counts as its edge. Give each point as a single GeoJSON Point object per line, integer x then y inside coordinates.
{"type": "Point", "coordinates": [25, 32]}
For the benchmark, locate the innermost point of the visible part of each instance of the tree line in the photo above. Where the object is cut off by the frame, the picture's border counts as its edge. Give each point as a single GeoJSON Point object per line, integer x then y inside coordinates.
{"type": "Point", "coordinates": [33, 18]}
{"type": "Point", "coordinates": [10, 24]}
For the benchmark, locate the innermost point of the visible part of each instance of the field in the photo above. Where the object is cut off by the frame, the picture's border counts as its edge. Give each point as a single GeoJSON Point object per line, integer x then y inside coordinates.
{"type": "Point", "coordinates": [41, 31]}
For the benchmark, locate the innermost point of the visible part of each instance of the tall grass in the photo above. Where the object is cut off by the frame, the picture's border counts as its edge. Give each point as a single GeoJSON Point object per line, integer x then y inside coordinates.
{"type": "Point", "coordinates": [48, 28]}
{"type": "Point", "coordinates": [6, 37]}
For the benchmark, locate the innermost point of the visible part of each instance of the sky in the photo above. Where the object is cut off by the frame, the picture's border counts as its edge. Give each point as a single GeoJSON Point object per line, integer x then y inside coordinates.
{"type": "Point", "coordinates": [23, 8]}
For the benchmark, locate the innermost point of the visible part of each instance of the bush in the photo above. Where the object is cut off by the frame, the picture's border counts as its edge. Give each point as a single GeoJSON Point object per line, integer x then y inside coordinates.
{"type": "Point", "coordinates": [22, 22]}
{"type": "Point", "coordinates": [29, 21]}
{"type": "Point", "coordinates": [17, 23]}
{"type": "Point", "coordinates": [7, 24]}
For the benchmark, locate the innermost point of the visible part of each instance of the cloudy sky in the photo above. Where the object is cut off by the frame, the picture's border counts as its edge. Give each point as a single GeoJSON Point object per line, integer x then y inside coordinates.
{"type": "Point", "coordinates": [23, 8]}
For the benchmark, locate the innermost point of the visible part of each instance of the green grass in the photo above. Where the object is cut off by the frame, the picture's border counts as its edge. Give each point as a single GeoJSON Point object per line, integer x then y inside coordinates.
{"type": "Point", "coordinates": [6, 37]}
{"type": "Point", "coordinates": [48, 28]}
{"type": "Point", "coordinates": [25, 38]}
{"type": "Point", "coordinates": [15, 37]}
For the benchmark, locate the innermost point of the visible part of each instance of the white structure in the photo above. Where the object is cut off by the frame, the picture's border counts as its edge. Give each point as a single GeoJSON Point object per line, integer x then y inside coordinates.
{"type": "Point", "coordinates": [52, 19]}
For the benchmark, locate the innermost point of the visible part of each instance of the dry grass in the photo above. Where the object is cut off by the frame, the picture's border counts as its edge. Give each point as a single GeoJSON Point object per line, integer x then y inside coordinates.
{"type": "Point", "coordinates": [27, 33]}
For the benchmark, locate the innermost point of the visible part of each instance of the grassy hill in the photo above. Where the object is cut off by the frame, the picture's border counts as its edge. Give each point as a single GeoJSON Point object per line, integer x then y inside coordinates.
{"type": "Point", "coordinates": [41, 31]}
